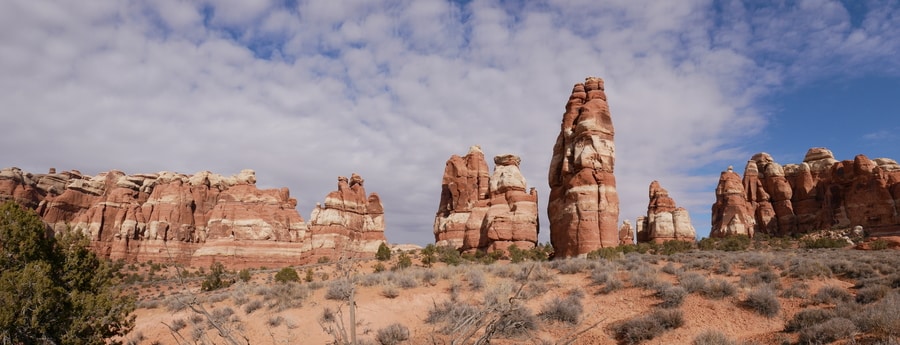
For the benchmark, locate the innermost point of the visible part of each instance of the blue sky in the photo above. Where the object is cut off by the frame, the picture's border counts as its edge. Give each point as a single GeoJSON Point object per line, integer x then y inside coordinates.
{"type": "Point", "coordinates": [305, 91]}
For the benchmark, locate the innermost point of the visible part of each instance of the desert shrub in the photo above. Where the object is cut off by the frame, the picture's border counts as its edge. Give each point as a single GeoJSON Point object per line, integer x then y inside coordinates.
{"type": "Point", "coordinates": [390, 291]}
{"type": "Point", "coordinates": [448, 255]}
{"type": "Point", "coordinates": [450, 313]}
{"type": "Point", "coordinates": [287, 274]}
{"type": "Point", "coordinates": [639, 329]}
{"type": "Point", "coordinates": [713, 337]}
{"type": "Point", "coordinates": [878, 244]}
{"type": "Point", "coordinates": [763, 301]}
{"type": "Point", "coordinates": [323, 260]}
{"type": "Point", "coordinates": [669, 268]}
{"type": "Point", "coordinates": [570, 266]}
{"type": "Point", "coordinates": [718, 288]}
{"type": "Point", "coordinates": [827, 332]}
{"type": "Point", "coordinates": [339, 290]}
{"type": "Point", "coordinates": [831, 294]}
{"type": "Point", "coordinates": [216, 278]}
{"type": "Point", "coordinates": [476, 279]}
{"type": "Point", "coordinates": [599, 276]}
{"type": "Point", "coordinates": [871, 294]}
{"type": "Point", "coordinates": [692, 282]}
{"type": "Point", "coordinates": [566, 310]}
{"type": "Point", "coordinates": [796, 290]}
{"type": "Point", "coordinates": [378, 267]}
{"type": "Point", "coordinates": [807, 318]}
{"type": "Point", "coordinates": [881, 318]}
{"type": "Point", "coordinates": [674, 247]}
{"type": "Point", "coordinates": [407, 281]}
{"type": "Point", "coordinates": [275, 321]}
{"type": "Point", "coordinates": [671, 296]}
{"type": "Point", "coordinates": [762, 276]}
{"type": "Point", "coordinates": [612, 284]}
{"type": "Point", "coordinates": [392, 334]}
{"type": "Point", "coordinates": [220, 315]}
{"type": "Point", "coordinates": [177, 325]}
{"type": "Point", "coordinates": [644, 277]}
{"type": "Point", "coordinates": [310, 275]}
{"type": "Point", "coordinates": [807, 269]}
{"type": "Point", "coordinates": [823, 243]}
{"type": "Point", "coordinates": [403, 262]}
{"type": "Point", "coordinates": [284, 296]}
{"type": "Point", "coordinates": [244, 275]}
{"type": "Point", "coordinates": [383, 253]}
{"type": "Point", "coordinates": [253, 306]}
{"type": "Point", "coordinates": [518, 322]}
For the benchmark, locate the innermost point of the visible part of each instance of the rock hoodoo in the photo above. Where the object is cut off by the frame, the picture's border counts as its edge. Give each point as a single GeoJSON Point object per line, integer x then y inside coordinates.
{"type": "Point", "coordinates": [817, 194]}
{"type": "Point", "coordinates": [481, 212]}
{"type": "Point", "coordinates": [584, 206]}
{"type": "Point", "coordinates": [350, 223]}
{"type": "Point", "coordinates": [193, 219]}
{"type": "Point", "coordinates": [664, 221]}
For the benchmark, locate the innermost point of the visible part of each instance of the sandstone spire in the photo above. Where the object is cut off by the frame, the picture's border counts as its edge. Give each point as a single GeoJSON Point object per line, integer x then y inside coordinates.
{"type": "Point", "coordinates": [665, 221]}
{"type": "Point", "coordinates": [584, 206]}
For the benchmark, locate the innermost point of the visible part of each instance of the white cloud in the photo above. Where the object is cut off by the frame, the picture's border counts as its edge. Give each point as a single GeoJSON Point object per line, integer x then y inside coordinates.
{"type": "Point", "coordinates": [390, 90]}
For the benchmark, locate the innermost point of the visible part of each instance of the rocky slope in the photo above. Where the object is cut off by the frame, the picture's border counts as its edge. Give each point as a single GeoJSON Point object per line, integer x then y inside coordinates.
{"type": "Point", "coordinates": [193, 219]}
{"type": "Point", "coordinates": [481, 212]}
{"type": "Point", "coordinates": [819, 193]}
{"type": "Point", "coordinates": [584, 205]}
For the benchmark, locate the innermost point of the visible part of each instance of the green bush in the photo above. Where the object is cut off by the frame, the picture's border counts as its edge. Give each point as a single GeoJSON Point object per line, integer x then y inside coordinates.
{"type": "Point", "coordinates": [287, 274]}
{"type": "Point", "coordinates": [244, 275]}
{"type": "Point", "coordinates": [383, 253]}
{"type": "Point", "coordinates": [54, 289]}
{"type": "Point", "coordinates": [216, 278]}
{"type": "Point", "coordinates": [824, 243]}
{"type": "Point", "coordinates": [675, 246]}
{"type": "Point", "coordinates": [879, 244]}
{"type": "Point", "coordinates": [403, 261]}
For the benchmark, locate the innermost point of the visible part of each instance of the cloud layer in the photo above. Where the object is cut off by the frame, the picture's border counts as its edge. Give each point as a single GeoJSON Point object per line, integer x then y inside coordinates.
{"type": "Point", "coordinates": [303, 91]}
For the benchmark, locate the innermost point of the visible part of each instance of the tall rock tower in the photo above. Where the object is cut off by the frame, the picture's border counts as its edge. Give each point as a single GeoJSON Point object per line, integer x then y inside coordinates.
{"type": "Point", "coordinates": [584, 206]}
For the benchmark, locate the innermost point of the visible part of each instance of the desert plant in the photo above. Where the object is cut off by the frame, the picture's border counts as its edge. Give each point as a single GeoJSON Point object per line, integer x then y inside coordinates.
{"type": "Point", "coordinates": [807, 318]}
{"type": "Point", "coordinates": [339, 290]}
{"type": "Point", "coordinates": [310, 275]}
{"type": "Point", "coordinates": [827, 332]}
{"type": "Point", "coordinates": [824, 243]}
{"type": "Point", "coordinates": [284, 296]}
{"type": "Point", "coordinates": [639, 329]}
{"type": "Point", "coordinates": [476, 279]}
{"type": "Point", "coordinates": [674, 247]}
{"type": "Point", "coordinates": [244, 275]}
{"type": "Point", "coordinates": [871, 294]}
{"type": "Point", "coordinates": [566, 310]}
{"type": "Point", "coordinates": [718, 288]}
{"type": "Point", "coordinates": [763, 301]}
{"type": "Point", "coordinates": [671, 296]}
{"type": "Point", "coordinates": [216, 278]}
{"type": "Point", "coordinates": [713, 337]}
{"type": "Point", "coordinates": [692, 282]}
{"type": "Point", "coordinates": [253, 306]}
{"type": "Point", "coordinates": [390, 291]}
{"type": "Point", "coordinates": [393, 334]}
{"type": "Point", "coordinates": [612, 284]}
{"type": "Point", "coordinates": [403, 262]}
{"type": "Point", "coordinates": [383, 253]}
{"type": "Point", "coordinates": [287, 274]}
{"type": "Point", "coordinates": [831, 294]}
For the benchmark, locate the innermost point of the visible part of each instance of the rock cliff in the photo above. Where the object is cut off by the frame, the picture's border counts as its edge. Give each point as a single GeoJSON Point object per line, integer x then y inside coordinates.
{"type": "Point", "coordinates": [583, 206]}
{"type": "Point", "coordinates": [664, 221]}
{"type": "Point", "coordinates": [481, 212]}
{"type": "Point", "coordinates": [193, 219]}
{"type": "Point", "coordinates": [350, 224]}
{"type": "Point", "coordinates": [819, 193]}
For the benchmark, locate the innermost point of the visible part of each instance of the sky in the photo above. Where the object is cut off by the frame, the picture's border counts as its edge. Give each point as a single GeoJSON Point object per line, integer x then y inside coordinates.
{"type": "Point", "coordinates": [305, 91]}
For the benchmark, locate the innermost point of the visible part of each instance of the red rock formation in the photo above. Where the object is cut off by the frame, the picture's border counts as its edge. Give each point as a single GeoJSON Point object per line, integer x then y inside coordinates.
{"type": "Point", "coordinates": [732, 214]}
{"type": "Point", "coordinates": [481, 213]}
{"type": "Point", "coordinates": [194, 219]}
{"type": "Point", "coordinates": [820, 193]}
{"type": "Point", "coordinates": [583, 205]}
{"type": "Point", "coordinates": [665, 221]}
{"type": "Point", "coordinates": [626, 233]}
{"type": "Point", "coordinates": [350, 224]}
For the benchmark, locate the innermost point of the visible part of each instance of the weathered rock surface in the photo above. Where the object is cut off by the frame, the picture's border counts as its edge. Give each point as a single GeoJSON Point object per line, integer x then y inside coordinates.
{"type": "Point", "coordinates": [350, 224]}
{"type": "Point", "coordinates": [665, 221]}
{"type": "Point", "coordinates": [626, 233]}
{"type": "Point", "coordinates": [481, 212]}
{"type": "Point", "coordinates": [584, 205]}
{"type": "Point", "coordinates": [819, 193]}
{"type": "Point", "coordinates": [194, 219]}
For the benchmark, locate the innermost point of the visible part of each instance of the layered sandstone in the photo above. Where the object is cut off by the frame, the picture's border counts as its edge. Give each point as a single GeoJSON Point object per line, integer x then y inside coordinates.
{"type": "Point", "coordinates": [193, 219]}
{"type": "Point", "coordinates": [626, 233]}
{"type": "Point", "coordinates": [665, 221]}
{"type": "Point", "coordinates": [481, 212]}
{"type": "Point", "coordinates": [350, 223]}
{"type": "Point", "coordinates": [819, 193]}
{"type": "Point", "coordinates": [583, 205]}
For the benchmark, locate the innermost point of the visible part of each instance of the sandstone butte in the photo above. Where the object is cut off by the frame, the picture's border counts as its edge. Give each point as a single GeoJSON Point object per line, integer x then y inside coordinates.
{"type": "Point", "coordinates": [486, 213]}
{"type": "Point", "coordinates": [664, 221]}
{"type": "Point", "coordinates": [200, 218]}
{"type": "Point", "coordinates": [583, 206]}
{"type": "Point", "coordinates": [819, 193]}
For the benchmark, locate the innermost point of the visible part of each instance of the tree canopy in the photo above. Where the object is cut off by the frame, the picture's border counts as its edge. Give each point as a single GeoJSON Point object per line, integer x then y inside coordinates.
{"type": "Point", "coordinates": [54, 289]}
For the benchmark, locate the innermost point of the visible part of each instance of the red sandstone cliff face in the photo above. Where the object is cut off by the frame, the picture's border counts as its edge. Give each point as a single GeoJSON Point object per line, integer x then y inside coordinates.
{"type": "Point", "coordinates": [817, 194]}
{"type": "Point", "coordinates": [664, 221]}
{"type": "Point", "coordinates": [194, 219]}
{"type": "Point", "coordinates": [478, 212]}
{"type": "Point", "coordinates": [584, 206]}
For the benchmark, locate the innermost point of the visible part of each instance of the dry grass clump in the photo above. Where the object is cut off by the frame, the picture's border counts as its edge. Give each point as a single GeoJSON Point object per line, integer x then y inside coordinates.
{"type": "Point", "coordinates": [644, 277]}
{"type": "Point", "coordinates": [567, 310]}
{"type": "Point", "coordinates": [763, 301]}
{"type": "Point", "coordinates": [390, 291]}
{"type": "Point", "coordinates": [871, 294]}
{"type": "Point", "coordinates": [612, 284]}
{"type": "Point", "coordinates": [284, 296]}
{"type": "Point", "coordinates": [796, 290]}
{"type": "Point", "coordinates": [692, 282]}
{"type": "Point", "coordinates": [713, 337]}
{"type": "Point", "coordinates": [570, 266]}
{"type": "Point", "coordinates": [802, 268]}
{"type": "Point", "coordinates": [476, 279]}
{"type": "Point", "coordinates": [827, 332]}
{"type": "Point", "coordinates": [393, 334]}
{"type": "Point", "coordinates": [252, 306]}
{"type": "Point", "coordinates": [831, 294]}
{"type": "Point", "coordinates": [718, 288]}
{"type": "Point", "coordinates": [639, 329]}
{"type": "Point", "coordinates": [670, 296]}
{"type": "Point", "coordinates": [807, 318]}
{"type": "Point", "coordinates": [339, 290]}
{"type": "Point", "coordinates": [764, 275]}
